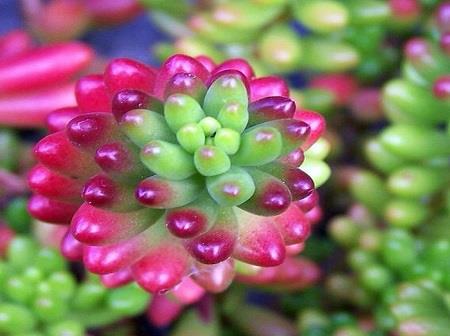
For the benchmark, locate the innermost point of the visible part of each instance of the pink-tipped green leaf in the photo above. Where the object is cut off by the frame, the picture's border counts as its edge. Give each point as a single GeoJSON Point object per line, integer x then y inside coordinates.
{"type": "Point", "coordinates": [162, 268]}
{"type": "Point", "coordinates": [215, 278]}
{"type": "Point", "coordinates": [225, 89]}
{"type": "Point", "coordinates": [50, 184]}
{"type": "Point", "coordinates": [299, 183]}
{"type": "Point", "coordinates": [294, 227]}
{"type": "Point", "coordinates": [238, 64]}
{"type": "Point", "coordinates": [125, 73]}
{"type": "Point", "coordinates": [53, 151]}
{"type": "Point", "coordinates": [142, 126]}
{"type": "Point", "coordinates": [231, 188]}
{"type": "Point", "coordinates": [121, 161]}
{"type": "Point", "coordinates": [271, 197]}
{"type": "Point", "coordinates": [130, 99]}
{"type": "Point", "coordinates": [111, 258]}
{"type": "Point", "coordinates": [103, 192]}
{"type": "Point", "coordinates": [270, 108]}
{"type": "Point", "coordinates": [187, 84]}
{"type": "Point", "coordinates": [270, 86]}
{"type": "Point", "coordinates": [292, 159]}
{"type": "Point", "coordinates": [259, 241]}
{"type": "Point", "coordinates": [117, 279]}
{"type": "Point", "coordinates": [157, 192]}
{"type": "Point", "coordinates": [71, 248]}
{"type": "Point", "coordinates": [57, 120]}
{"type": "Point", "coordinates": [211, 160]}
{"type": "Point", "coordinates": [163, 311]}
{"type": "Point", "coordinates": [234, 115]}
{"type": "Point", "coordinates": [94, 226]}
{"type": "Point", "coordinates": [51, 211]}
{"type": "Point", "coordinates": [190, 220]}
{"type": "Point", "coordinates": [92, 94]}
{"type": "Point", "coordinates": [316, 123]}
{"type": "Point", "coordinates": [167, 160]}
{"type": "Point", "coordinates": [259, 145]}
{"type": "Point", "coordinates": [217, 244]}
{"type": "Point", "coordinates": [92, 130]}
{"type": "Point", "coordinates": [294, 132]}
{"type": "Point", "coordinates": [178, 64]}
{"type": "Point", "coordinates": [181, 109]}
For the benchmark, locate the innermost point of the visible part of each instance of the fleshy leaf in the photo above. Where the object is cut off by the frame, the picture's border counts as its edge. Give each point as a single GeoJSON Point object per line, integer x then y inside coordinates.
{"type": "Point", "coordinates": [180, 109]}
{"type": "Point", "coordinates": [167, 160]}
{"type": "Point", "coordinates": [272, 197]}
{"type": "Point", "coordinates": [259, 145]}
{"type": "Point", "coordinates": [225, 89]}
{"type": "Point", "coordinates": [157, 192]}
{"type": "Point", "coordinates": [142, 126]}
{"type": "Point", "coordinates": [231, 188]}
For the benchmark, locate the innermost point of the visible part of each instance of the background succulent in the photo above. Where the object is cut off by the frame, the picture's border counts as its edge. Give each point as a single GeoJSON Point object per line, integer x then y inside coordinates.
{"type": "Point", "coordinates": [40, 296]}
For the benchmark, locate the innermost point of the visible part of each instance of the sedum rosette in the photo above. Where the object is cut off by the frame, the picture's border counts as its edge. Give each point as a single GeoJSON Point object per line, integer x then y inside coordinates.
{"type": "Point", "coordinates": [197, 165]}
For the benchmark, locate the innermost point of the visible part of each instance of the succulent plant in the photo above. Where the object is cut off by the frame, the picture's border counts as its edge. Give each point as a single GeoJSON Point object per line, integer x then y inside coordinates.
{"type": "Point", "coordinates": [287, 36]}
{"type": "Point", "coordinates": [420, 309]}
{"type": "Point", "coordinates": [196, 163]}
{"type": "Point", "coordinates": [397, 248]}
{"type": "Point", "coordinates": [313, 321]}
{"type": "Point", "coordinates": [59, 20]}
{"type": "Point", "coordinates": [41, 297]}
{"type": "Point", "coordinates": [34, 80]}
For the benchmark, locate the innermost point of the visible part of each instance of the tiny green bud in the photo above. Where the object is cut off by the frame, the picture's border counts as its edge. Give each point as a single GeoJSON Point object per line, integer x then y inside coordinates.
{"type": "Point", "coordinates": [210, 160]}
{"type": "Point", "coordinates": [191, 137]}
{"type": "Point", "coordinates": [33, 275]}
{"type": "Point", "coordinates": [369, 189]}
{"type": "Point", "coordinates": [330, 56]}
{"type": "Point", "coordinates": [370, 240]}
{"type": "Point", "coordinates": [380, 157]}
{"type": "Point", "coordinates": [209, 125]}
{"type": "Point", "coordinates": [228, 140]}
{"type": "Point", "coordinates": [359, 258]}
